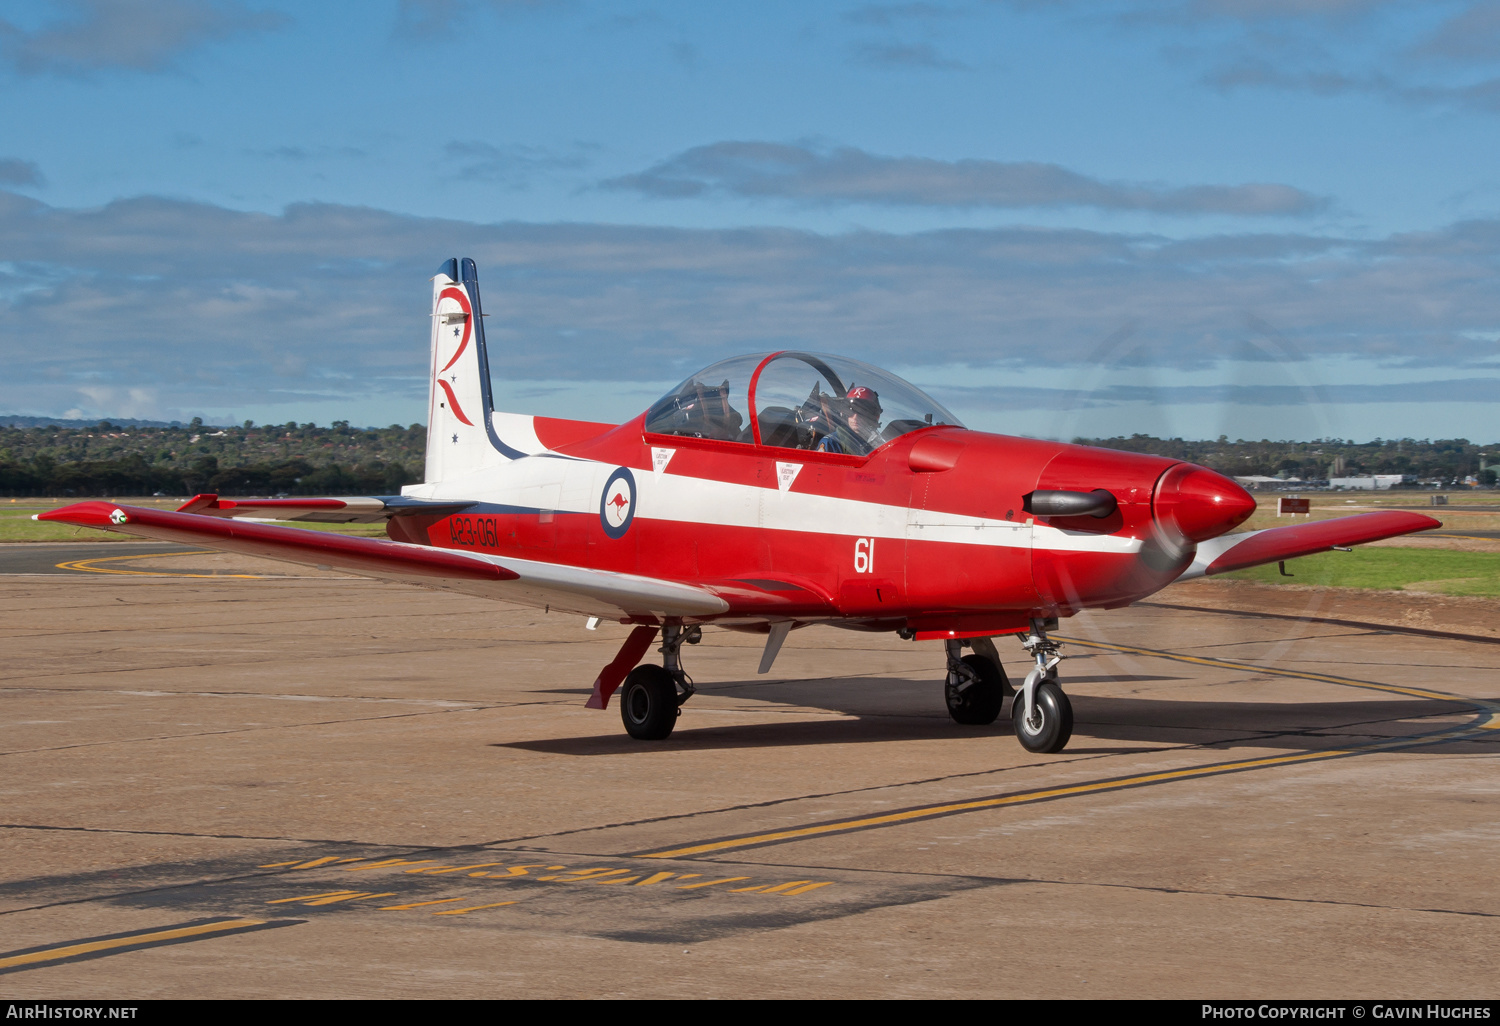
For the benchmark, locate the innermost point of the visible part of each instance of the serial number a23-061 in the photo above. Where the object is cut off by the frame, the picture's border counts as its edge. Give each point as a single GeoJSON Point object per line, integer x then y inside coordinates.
{"type": "Point", "coordinates": [475, 532]}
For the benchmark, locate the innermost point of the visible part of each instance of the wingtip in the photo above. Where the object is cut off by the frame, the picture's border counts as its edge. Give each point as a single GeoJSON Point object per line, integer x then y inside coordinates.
{"type": "Point", "coordinates": [81, 514]}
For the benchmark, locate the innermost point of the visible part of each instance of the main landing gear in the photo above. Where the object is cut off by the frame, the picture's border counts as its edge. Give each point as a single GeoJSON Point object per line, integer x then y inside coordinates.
{"type": "Point", "coordinates": [651, 697]}
{"type": "Point", "coordinates": [976, 684]}
{"type": "Point", "coordinates": [1041, 714]}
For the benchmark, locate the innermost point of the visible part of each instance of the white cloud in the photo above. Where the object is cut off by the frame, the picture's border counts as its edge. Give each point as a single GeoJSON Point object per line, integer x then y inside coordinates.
{"type": "Point", "coordinates": [763, 170]}
{"type": "Point", "coordinates": [135, 35]}
{"type": "Point", "coordinates": [14, 171]}
{"type": "Point", "coordinates": [193, 306]}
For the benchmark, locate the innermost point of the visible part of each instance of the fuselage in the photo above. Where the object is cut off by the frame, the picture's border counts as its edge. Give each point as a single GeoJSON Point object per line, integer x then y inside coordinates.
{"type": "Point", "coordinates": [929, 532]}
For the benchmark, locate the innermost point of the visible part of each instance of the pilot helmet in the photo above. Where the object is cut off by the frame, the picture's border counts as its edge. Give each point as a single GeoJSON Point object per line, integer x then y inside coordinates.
{"type": "Point", "coordinates": [864, 401]}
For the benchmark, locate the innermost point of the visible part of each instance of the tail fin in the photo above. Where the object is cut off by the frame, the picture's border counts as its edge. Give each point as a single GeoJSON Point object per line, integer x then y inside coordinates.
{"type": "Point", "coordinates": [461, 436]}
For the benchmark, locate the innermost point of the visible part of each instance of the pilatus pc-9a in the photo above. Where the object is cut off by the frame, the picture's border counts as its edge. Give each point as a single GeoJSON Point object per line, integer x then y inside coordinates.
{"type": "Point", "coordinates": [766, 493]}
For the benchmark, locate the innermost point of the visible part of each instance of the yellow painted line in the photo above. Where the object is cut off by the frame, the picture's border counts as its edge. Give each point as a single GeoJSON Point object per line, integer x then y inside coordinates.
{"type": "Point", "coordinates": [1486, 708]}
{"type": "Point", "coordinates": [576, 875]}
{"type": "Point", "coordinates": [655, 878]}
{"type": "Point", "coordinates": [330, 897]}
{"type": "Point", "coordinates": [809, 887]}
{"type": "Point", "coordinates": [1025, 797]}
{"type": "Point", "coordinates": [1227, 664]}
{"type": "Point", "coordinates": [387, 864]}
{"type": "Point", "coordinates": [794, 886]}
{"type": "Point", "coordinates": [160, 936]}
{"type": "Point", "coordinates": [514, 871]}
{"type": "Point", "coordinates": [305, 897]}
{"type": "Point", "coordinates": [419, 904]}
{"type": "Point", "coordinates": [439, 871]}
{"type": "Point", "coordinates": [320, 862]}
{"type": "Point", "coordinates": [476, 908]}
{"type": "Point", "coordinates": [710, 883]}
{"type": "Point", "coordinates": [86, 566]}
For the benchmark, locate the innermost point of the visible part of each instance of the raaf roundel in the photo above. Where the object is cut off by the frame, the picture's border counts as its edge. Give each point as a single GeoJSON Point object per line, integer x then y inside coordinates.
{"type": "Point", "coordinates": [762, 494]}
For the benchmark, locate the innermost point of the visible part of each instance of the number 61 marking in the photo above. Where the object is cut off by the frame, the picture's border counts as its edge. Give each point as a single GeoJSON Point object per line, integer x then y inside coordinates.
{"type": "Point", "coordinates": [864, 555]}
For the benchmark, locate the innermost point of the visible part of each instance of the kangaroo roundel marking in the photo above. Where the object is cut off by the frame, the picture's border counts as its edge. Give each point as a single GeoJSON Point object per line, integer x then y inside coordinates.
{"type": "Point", "coordinates": [617, 504]}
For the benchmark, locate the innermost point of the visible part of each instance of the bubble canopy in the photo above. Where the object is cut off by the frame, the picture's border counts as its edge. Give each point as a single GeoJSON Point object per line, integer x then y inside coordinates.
{"type": "Point", "coordinates": [796, 400]}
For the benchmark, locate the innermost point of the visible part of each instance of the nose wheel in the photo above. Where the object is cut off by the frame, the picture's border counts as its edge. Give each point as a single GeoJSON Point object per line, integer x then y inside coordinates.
{"type": "Point", "coordinates": [1046, 727]}
{"type": "Point", "coordinates": [1041, 715]}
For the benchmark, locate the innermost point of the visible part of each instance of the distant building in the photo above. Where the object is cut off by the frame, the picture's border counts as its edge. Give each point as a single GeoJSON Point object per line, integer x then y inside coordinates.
{"type": "Point", "coordinates": [1261, 482]}
{"type": "Point", "coordinates": [1376, 482]}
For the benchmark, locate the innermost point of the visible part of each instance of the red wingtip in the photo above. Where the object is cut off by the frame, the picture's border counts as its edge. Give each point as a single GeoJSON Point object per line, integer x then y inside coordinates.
{"type": "Point", "coordinates": [83, 514]}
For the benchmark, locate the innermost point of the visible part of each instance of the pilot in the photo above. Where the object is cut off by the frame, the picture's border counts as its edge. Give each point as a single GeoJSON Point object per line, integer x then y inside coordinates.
{"type": "Point", "coordinates": [847, 425]}
{"type": "Point", "coordinates": [862, 418]}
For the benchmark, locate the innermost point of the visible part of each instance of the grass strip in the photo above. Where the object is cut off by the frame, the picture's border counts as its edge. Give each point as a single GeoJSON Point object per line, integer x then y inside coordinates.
{"type": "Point", "coordinates": [1389, 569]}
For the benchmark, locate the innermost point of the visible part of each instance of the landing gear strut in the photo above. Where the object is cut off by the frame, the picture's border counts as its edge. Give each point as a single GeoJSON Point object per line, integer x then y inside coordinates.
{"type": "Point", "coordinates": [976, 685]}
{"type": "Point", "coordinates": [651, 697]}
{"type": "Point", "coordinates": [1041, 714]}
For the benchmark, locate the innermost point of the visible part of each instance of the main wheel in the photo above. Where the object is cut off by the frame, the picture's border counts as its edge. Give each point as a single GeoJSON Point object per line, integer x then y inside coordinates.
{"type": "Point", "coordinates": [648, 703]}
{"type": "Point", "coordinates": [978, 701]}
{"type": "Point", "coordinates": [1050, 724]}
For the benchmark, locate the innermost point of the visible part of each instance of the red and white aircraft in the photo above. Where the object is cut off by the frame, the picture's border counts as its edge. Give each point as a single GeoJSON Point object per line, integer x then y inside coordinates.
{"type": "Point", "coordinates": [765, 493]}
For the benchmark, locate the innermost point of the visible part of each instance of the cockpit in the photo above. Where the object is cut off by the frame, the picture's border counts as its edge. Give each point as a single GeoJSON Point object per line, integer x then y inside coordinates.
{"type": "Point", "coordinates": [795, 400]}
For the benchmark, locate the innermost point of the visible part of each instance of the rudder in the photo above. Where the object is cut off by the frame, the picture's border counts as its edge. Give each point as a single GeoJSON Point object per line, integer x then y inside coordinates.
{"type": "Point", "coordinates": [461, 436]}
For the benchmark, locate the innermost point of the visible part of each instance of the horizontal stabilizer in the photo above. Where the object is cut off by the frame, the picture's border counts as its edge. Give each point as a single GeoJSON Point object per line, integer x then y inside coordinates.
{"type": "Point", "coordinates": [1253, 548]}
{"type": "Point", "coordinates": [347, 509]}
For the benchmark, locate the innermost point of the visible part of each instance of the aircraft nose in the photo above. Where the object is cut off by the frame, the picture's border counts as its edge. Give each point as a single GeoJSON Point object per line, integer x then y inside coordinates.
{"type": "Point", "coordinates": [1198, 504]}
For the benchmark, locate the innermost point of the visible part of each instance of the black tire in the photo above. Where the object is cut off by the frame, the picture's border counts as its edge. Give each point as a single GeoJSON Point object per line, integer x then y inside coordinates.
{"type": "Point", "coordinates": [648, 703]}
{"type": "Point", "coordinates": [978, 702]}
{"type": "Point", "coordinates": [1051, 724]}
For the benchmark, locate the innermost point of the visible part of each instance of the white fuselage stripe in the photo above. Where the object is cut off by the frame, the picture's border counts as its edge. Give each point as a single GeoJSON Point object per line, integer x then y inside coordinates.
{"type": "Point", "coordinates": [575, 486]}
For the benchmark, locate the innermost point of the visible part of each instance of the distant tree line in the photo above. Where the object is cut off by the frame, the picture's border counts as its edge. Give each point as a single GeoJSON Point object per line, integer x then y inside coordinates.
{"type": "Point", "coordinates": [1447, 460]}
{"type": "Point", "coordinates": [286, 459]}
{"type": "Point", "coordinates": [304, 459]}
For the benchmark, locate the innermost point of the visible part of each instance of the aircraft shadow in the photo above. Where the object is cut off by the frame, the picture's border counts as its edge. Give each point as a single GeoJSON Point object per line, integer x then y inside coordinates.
{"type": "Point", "coordinates": [903, 710]}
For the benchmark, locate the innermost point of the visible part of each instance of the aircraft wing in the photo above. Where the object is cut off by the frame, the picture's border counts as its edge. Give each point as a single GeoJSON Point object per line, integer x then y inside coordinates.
{"type": "Point", "coordinates": [344, 509]}
{"type": "Point", "coordinates": [602, 593]}
{"type": "Point", "coordinates": [1238, 551]}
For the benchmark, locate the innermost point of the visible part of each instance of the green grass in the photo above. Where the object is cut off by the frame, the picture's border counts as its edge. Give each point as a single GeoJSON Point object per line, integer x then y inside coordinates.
{"type": "Point", "coordinates": [1326, 505]}
{"type": "Point", "coordinates": [1439, 570]}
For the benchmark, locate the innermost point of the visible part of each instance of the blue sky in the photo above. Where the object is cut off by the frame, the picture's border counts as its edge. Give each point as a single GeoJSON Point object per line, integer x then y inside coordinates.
{"type": "Point", "coordinates": [1277, 218]}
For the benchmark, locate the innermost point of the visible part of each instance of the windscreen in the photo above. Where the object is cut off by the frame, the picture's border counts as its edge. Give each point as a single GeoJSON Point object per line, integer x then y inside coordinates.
{"type": "Point", "coordinates": [833, 404]}
{"type": "Point", "coordinates": [714, 403]}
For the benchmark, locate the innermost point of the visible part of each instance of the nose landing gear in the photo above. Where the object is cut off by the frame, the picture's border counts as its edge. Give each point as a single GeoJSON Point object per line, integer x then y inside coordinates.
{"type": "Point", "coordinates": [1041, 714]}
